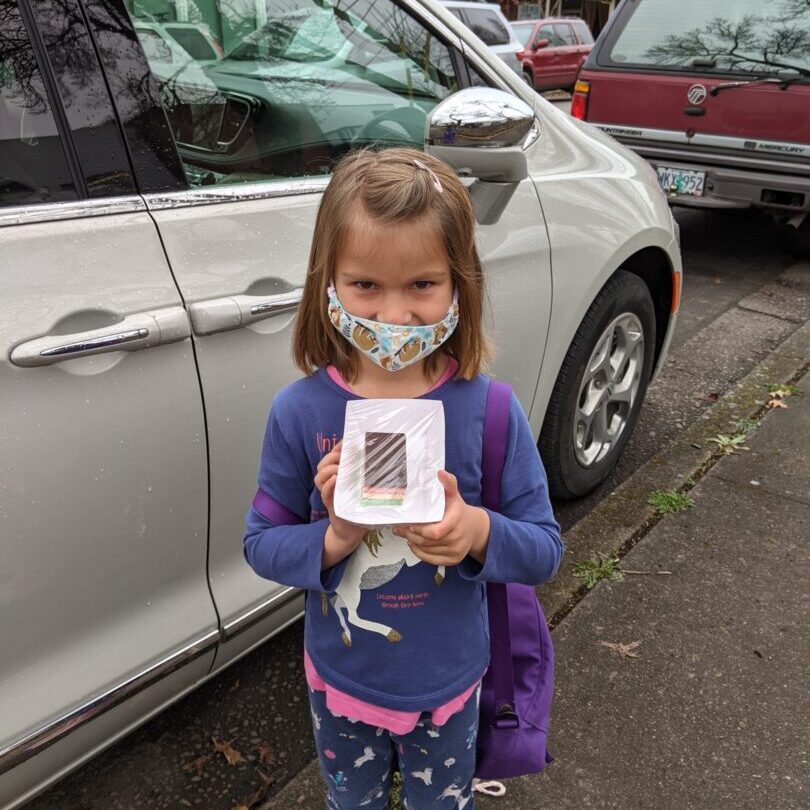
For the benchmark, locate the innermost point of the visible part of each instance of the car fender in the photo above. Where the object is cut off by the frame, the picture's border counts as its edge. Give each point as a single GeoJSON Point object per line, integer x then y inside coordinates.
{"type": "Point", "coordinates": [602, 205]}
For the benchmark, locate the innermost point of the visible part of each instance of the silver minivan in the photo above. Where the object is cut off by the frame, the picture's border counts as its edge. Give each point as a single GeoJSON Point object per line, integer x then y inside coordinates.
{"type": "Point", "coordinates": [154, 231]}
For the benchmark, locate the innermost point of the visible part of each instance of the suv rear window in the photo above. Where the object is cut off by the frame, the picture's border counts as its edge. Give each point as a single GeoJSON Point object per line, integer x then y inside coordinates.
{"type": "Point", "coordinates": [746, 36]}
{"type": "Point", "coordinates": [487, 26]}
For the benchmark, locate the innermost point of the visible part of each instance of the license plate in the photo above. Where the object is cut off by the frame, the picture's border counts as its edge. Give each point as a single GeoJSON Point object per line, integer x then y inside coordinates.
{"type": "Point", "coordinates": [681, 181]}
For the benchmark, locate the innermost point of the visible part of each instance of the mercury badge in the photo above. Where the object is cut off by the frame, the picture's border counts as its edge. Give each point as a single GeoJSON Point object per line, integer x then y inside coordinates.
{"type": "Point", "coordinates": [696, 94]}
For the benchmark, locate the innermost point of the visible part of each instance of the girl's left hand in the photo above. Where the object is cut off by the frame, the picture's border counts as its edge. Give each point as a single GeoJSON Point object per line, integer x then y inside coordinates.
{"type": "Point", "coordinates": [463, 530]}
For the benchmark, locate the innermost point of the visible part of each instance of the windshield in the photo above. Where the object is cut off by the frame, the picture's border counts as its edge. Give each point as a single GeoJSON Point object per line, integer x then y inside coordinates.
{"type": "Point", "coordinates": [737, 36]}
{"type": "Point", "coordinates": [524, 33]}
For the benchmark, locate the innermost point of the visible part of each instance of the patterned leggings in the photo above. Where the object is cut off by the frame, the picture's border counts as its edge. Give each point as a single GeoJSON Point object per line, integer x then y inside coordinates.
{"type": "Point", "coordinates": [358, 760]}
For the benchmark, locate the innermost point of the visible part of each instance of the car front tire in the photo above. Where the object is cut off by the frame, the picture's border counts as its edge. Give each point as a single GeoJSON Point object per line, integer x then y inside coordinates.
{"type": "Point", "coordinates": [600, 388]}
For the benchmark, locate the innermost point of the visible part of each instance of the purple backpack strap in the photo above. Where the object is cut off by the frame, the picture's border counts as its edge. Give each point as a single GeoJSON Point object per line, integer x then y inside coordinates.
{"type": "Point", "coordinates": [496, 434]}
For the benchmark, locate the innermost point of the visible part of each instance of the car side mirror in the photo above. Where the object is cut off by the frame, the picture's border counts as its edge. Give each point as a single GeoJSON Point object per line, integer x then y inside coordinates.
{"type": "Point", "coordinates": [483, 133]}
{"type": "Point", "coordinates": [542, 43]}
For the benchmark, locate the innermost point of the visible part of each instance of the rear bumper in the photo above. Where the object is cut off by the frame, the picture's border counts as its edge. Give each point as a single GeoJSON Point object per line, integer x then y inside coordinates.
{"type": "Point", "coordinates": [736, 188]}
{"type": "Point", "coordinates": [732, 181]}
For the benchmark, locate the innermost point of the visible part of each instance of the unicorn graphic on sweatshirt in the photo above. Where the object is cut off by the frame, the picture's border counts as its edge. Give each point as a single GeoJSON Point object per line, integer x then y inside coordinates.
{"type": "Point", "coordinates": [376, 561]}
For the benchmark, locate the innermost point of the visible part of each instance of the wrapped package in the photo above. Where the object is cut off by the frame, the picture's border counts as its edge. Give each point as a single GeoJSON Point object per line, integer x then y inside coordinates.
{"type": "Point", "coordinates": [392, 452]}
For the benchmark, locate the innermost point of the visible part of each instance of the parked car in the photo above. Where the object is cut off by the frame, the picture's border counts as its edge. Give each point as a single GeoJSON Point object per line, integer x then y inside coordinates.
{"type": "Point", "coordinates": [488, 23]}
{"type": "Point", "coordinates": [147, 309]}
{"type": "Point", "coordinates": [715, 95]}
{"type": "Point", "coordinates": [554, 50]}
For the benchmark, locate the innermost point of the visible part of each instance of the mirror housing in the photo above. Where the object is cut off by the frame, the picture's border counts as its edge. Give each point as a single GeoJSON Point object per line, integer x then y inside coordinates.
{"type": "Point", "coordinates": [483, 133]}
{"type": "Point", "coordinates": [542, 43]}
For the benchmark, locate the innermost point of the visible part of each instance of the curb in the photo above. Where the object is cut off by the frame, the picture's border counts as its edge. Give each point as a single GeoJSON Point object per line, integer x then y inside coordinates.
{"type": "Point", "coordinates": [621, 519]}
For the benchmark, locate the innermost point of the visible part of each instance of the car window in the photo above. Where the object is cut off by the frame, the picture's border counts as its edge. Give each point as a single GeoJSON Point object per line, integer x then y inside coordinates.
{"type": "Point", "coordinates": [486, 25]}
{"type": "Point", "coordinates": [565, 34]}
{"type": "Point", "coordinates": [583, 32]}
{"type": "Point", "coordinates": [524, 33]}
{"type": "Point", "coordinates": [548, 32]}
{"type": "Point", "coordinates": [748, 36]}
{"type": "Point", "coordinates": [33, 165]}
{"type": "Point", "coordinates": [300, 85]}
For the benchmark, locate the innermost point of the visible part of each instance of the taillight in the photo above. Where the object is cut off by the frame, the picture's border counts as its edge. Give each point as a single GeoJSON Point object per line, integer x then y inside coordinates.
{"type": "Point", "coordinates": [579, 102]}
{"type": "Point", "coordinates": [521, 55]}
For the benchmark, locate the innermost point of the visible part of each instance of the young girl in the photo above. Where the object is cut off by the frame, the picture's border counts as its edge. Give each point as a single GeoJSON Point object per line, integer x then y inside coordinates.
{"type": "Point", "coordinates": [396, 634]}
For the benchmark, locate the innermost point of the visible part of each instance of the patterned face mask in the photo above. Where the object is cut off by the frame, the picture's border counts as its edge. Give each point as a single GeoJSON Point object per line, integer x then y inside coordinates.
{"type": "Point", "coordinates": [392, 346]}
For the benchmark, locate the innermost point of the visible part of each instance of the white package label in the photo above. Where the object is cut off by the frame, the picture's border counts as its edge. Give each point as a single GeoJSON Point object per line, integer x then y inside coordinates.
{"type": "Point", "coordinates": [392, 451]}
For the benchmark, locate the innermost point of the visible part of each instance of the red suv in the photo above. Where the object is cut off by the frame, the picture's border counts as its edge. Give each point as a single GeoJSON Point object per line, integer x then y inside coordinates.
{"type": "Point", "coordinates": [715, 94]}
{"type": "Point", "coordinates": [553, 50]}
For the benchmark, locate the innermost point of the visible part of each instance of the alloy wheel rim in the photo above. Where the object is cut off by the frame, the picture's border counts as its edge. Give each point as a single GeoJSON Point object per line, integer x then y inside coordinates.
{"type": "Point", "coordinates": [609, 389]}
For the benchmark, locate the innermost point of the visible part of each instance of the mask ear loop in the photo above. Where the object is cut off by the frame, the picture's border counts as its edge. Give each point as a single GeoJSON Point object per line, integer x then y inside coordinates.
{"type": "Point", "coordinates": [437, 184]}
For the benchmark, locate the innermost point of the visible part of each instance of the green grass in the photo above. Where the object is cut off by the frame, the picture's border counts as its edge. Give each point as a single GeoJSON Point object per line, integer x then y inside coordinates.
{"type": "Point", "coordinates": [598, 568]}
{"type": "Point", "coordinates": [667, 501]}
{"type": "Point", "coordinates": [729, 443]}
{"type": "Point", "coordinates": [746, 425]}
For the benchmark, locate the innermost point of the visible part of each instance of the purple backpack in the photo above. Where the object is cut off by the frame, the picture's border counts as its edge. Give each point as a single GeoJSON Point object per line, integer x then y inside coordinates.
{"type": "Point", "coordinates": [518, 687]}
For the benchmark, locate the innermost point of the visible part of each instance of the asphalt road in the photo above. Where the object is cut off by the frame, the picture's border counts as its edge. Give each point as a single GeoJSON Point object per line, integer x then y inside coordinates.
{"type": "Point", "coordinates": [260, 704]}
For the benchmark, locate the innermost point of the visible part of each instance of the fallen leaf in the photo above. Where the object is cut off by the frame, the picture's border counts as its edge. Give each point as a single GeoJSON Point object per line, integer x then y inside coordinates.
{"type": "Point", "coordinates": [625, 650]}
{"type": "Point", "coordinates": [241, 807]}
{"type": "Point", "coordinates": [235, 686]}
{"type": "Point", "coordinates": [196, 765]}
{"type": "Point", "coordinates": [776, 403]}
{"type": "Point", "coordinates": [265, 753]}
{"type": "Point", "coordinates": [232, 756]}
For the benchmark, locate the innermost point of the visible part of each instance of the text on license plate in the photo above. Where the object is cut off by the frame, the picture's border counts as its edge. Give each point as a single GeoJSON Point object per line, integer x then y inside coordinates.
{"type": "Point", "coordinates": [681, 181]}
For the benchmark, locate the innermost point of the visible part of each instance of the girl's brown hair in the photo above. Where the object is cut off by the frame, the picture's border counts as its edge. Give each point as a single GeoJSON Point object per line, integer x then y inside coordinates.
{"type": "Point", "coordinates": [391, 189]}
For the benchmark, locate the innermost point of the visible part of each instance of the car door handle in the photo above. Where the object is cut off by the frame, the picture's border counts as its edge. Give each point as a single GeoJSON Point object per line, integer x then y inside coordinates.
{"type": "Point", "coordinates": [232, 312]}
{"type": "Point", "coordinates": [139, 331]}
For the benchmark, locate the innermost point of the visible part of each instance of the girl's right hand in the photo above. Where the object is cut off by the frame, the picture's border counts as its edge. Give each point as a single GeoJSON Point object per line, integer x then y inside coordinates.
{"type": "Point", "coordinates": [344, 533]}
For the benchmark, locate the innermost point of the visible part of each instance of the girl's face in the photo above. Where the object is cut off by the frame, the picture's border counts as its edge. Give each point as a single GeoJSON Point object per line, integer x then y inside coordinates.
{"type": "Point", "coordinates": [397, 274]}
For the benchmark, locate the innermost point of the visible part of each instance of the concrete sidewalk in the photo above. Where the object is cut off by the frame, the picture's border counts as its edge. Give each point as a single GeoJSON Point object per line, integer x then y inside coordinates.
{"type": "Point", "coordinates": [714, 711]}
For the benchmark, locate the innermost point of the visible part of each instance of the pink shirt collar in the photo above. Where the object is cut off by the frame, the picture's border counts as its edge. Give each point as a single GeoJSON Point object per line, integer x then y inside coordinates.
{"type": "Point", "coordinates": [452, 368]}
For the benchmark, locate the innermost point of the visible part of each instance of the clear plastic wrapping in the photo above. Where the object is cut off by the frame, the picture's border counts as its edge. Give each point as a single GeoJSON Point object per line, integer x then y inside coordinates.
{"type": "Point", "coordinates": [392, 451]}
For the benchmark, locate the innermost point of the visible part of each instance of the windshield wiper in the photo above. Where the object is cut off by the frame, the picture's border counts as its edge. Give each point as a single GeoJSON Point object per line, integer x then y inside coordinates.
{"type": "Point", "coordinates": [782, 81]}
{"type": "Point", "coordinates": [703, 63]}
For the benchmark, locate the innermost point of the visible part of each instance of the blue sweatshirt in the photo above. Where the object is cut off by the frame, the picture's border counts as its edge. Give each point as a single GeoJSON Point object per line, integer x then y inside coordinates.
{"type": "Point", "coordinates": [398, 636]}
